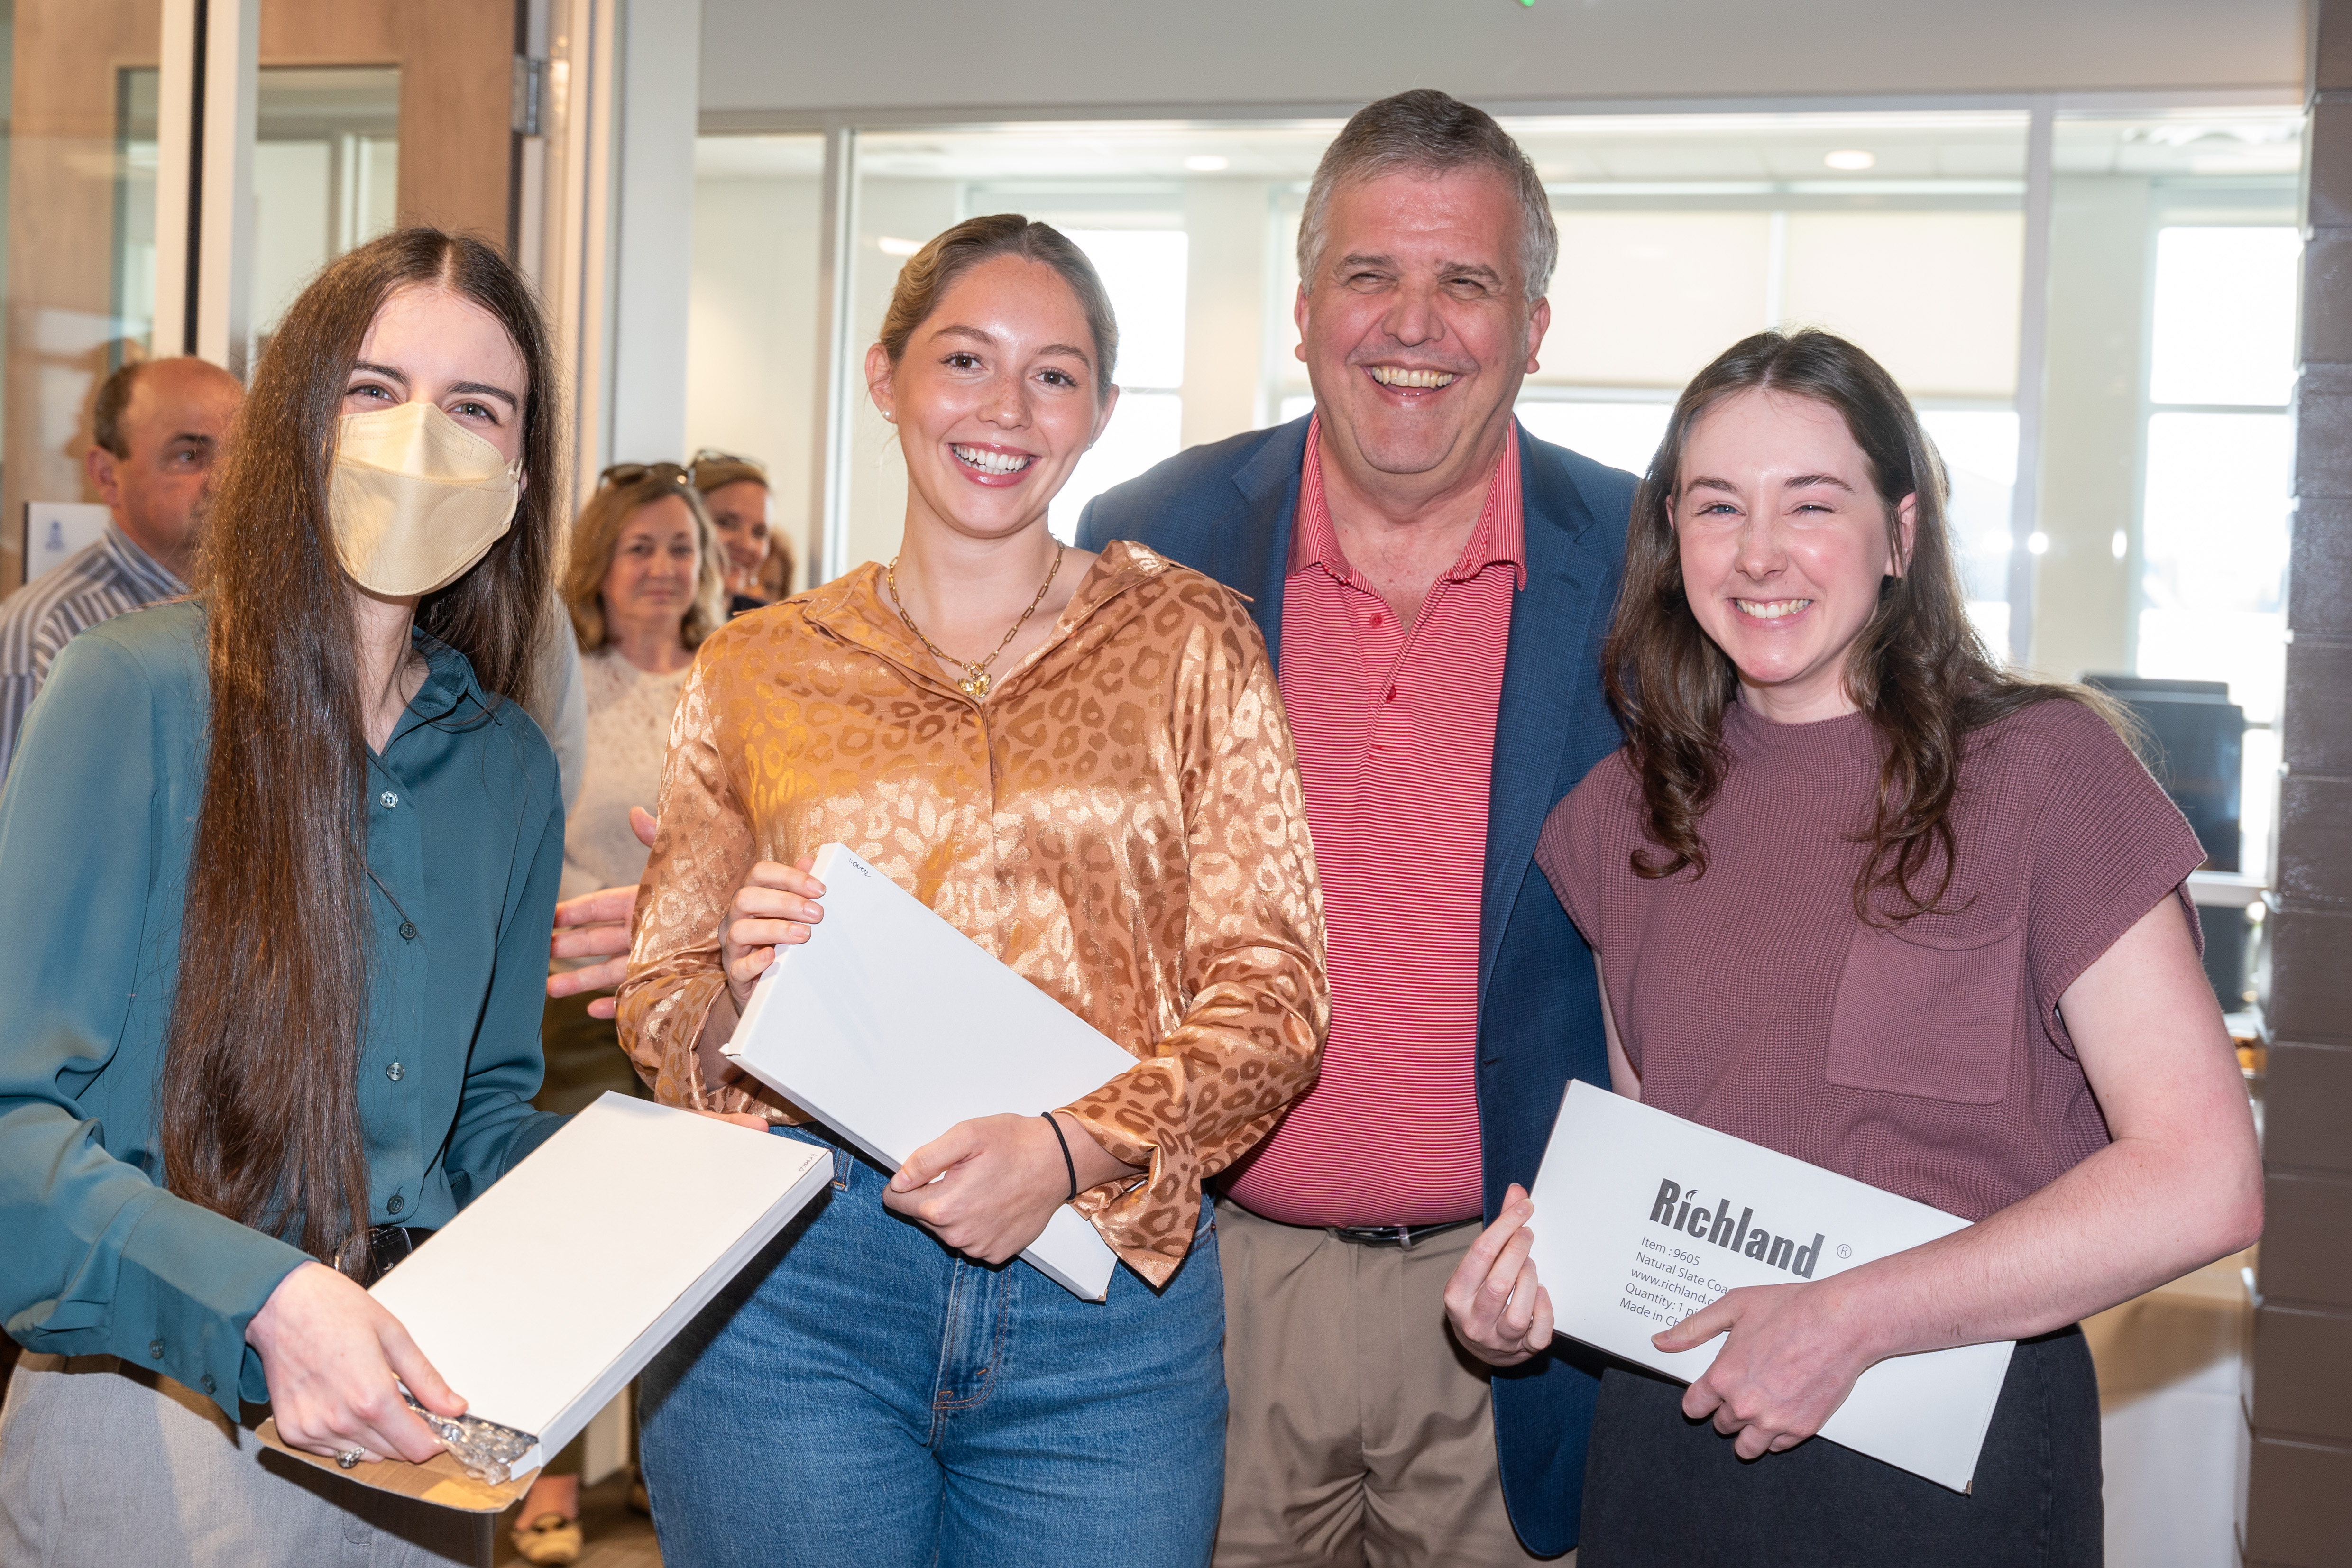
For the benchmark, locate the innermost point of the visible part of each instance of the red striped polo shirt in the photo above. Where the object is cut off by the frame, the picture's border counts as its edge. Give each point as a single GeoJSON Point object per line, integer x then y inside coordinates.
{"type": "Point", "coordinates": [1395, 731]}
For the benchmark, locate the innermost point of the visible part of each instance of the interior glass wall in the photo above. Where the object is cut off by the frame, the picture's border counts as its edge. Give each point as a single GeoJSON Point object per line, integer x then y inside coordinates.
{"type": "Point", "coordinates": [2159, 533]}
{"type": "Point", "coordinates": [1680, 234]}
{"type": "Point", "coordinates": [751, 352]}
{"type": "Point", "coordinates": [2174, 258]}
{"type": "Point", "coordinates": [78, 158]}
{"type": "Point", "coordinates": [326, 176]}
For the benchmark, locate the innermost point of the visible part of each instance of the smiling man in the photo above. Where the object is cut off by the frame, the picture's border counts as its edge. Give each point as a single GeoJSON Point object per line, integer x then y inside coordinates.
{"type": "Point", "coordinates": [1434, 584]}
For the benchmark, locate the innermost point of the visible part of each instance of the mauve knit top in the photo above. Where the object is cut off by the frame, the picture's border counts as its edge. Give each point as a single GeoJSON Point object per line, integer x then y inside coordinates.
{"type": "Point", "coordinates": [1926, 1057]}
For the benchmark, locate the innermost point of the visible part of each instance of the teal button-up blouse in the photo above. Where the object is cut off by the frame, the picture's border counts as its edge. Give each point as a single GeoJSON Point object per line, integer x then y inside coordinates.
{"type": "Point", "coordinates": [464, 834]}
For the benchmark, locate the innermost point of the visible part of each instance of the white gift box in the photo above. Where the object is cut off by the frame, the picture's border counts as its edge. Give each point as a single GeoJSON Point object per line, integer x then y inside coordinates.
{"type": "Point", "coordinates": [549, 1292]}
{"type": "Point", "coordinates": [890, 1026]}
{"type": "Point", "coordinates": [1641, 1218]}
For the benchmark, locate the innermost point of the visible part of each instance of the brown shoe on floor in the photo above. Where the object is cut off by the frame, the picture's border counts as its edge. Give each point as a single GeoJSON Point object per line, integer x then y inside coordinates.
{"type": "Point", "coordinates": [550, 1538]}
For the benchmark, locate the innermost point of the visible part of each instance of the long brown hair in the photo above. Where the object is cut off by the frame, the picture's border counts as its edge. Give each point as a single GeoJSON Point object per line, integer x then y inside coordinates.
{"type": "Point", "coordinates": [1916, 668]}
{"type": "Point", "coordinates": [259, 1099]}
{"type": "Point", "coordinates": [597, 533]}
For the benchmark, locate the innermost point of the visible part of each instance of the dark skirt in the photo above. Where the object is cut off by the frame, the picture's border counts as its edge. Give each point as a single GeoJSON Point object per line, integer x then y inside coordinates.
{"type": "Point", "coordinates": [1659, 1488]}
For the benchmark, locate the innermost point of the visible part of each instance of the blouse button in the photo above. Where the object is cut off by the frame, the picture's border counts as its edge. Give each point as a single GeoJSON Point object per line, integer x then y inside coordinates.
{"type": "Point", "coordinates": [408, 931]}
{"type": "Point", "coordinates": [394, 1071]}
{"type": "Point", "coordinates": [389, 800]}
{"type": "Point", "coordinates": [155, 1348]}
{"type": "Point", "coordinates": [206, 1380]}
{"type": "Point", "coordinates": [395, 1204]}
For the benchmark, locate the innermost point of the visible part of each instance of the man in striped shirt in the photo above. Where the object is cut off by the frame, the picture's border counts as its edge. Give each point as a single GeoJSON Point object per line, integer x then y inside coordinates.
{"type": "Point", "coordinates": [157, 428]}
{"type": "Point", "coordinates": [1433, 584]}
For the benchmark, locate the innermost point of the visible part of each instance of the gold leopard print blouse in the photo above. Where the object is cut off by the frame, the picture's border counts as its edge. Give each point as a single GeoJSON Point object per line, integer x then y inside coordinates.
{"type": "Point", "coordinates": [1119, 820]}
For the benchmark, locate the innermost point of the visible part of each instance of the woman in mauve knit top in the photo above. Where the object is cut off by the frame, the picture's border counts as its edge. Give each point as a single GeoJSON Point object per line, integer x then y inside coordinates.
{"type": "Point", "coordinates": [1860, 895]}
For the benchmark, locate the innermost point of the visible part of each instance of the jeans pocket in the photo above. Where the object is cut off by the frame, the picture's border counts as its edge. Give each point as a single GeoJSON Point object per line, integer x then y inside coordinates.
{"type": "Point", "coordinates": [843, 1159]}
{"type": "Point", "coordinates": [1938, 1020]}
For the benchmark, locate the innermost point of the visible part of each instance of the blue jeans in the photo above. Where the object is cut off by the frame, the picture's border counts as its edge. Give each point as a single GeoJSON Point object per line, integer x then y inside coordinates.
{"type": "Point", "coordinates": [862, 1394]}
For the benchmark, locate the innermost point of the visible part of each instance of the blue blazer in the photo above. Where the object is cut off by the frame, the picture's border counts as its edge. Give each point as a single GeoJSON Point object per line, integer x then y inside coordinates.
{"type": "Point", "coordinates": [1227, 509]}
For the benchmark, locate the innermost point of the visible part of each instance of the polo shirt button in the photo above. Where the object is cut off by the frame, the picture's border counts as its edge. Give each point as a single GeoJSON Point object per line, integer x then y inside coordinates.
{"type": "Point", "coordinates": [206, 1382]}
{"type": "Point", "coordinates": [408, 931]}
{"type": "Point", "coordinates": [394, 1071]}
{"type": "Point", "coordinates": [389, 799]}
{"type": "Point", "coordinates": [1391, 693]}
{"type": "Point", "coordinates": [155, 1348]}
{"type": "Point", "coordinates": [395, 1204]}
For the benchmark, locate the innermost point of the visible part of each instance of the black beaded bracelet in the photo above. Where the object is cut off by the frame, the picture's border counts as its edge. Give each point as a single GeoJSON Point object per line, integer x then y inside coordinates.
{"type": "Point", "coordinates": [1068, 1164]}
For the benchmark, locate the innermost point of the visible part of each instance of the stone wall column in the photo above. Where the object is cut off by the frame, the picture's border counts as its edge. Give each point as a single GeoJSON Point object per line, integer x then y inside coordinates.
{"type": "Point", "coordinates": [2295, 1509]}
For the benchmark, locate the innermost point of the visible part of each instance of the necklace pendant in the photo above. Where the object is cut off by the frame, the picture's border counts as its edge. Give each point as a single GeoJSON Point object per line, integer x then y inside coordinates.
{"type": "Point", "coordinates": [977, 686]}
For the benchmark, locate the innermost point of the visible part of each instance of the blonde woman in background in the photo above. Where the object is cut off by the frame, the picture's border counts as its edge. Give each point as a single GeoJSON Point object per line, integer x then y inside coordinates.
{"type": "Point", "coordinates": [758, 563]}
{"type": "Point", "coordinates": [643, 588]}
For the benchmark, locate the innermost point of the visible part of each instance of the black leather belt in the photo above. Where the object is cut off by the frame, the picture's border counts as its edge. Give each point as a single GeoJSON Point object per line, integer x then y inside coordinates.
{"type": "Point", "coordinates": [1402, 1236]}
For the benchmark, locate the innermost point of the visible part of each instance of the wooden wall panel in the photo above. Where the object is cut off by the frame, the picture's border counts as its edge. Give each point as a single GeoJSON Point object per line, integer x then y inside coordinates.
{"type": "Point", "coordinates": [457, 60]}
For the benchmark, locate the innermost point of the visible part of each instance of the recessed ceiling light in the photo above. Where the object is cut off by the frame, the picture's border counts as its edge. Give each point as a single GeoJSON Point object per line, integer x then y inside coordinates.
{"type": "Point", "coordinates": [1851, 158]}
{"type": "Point", "coordinates": [891, 244]}
{"type": "Point", "coordinates": [1207, 164]}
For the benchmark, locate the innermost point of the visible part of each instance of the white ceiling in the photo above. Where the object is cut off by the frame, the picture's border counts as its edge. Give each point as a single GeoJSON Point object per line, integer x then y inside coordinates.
{"type": "Point", "coordinates": [763, 57]}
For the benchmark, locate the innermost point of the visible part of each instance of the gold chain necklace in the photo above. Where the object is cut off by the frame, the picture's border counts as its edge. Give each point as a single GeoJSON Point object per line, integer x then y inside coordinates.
{"type": "Point", "coordinates": [975, 680]}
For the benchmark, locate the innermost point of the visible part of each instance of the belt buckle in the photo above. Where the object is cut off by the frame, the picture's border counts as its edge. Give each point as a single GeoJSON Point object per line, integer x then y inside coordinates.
{"type": "Point", "coordinates": [1397, 1236]}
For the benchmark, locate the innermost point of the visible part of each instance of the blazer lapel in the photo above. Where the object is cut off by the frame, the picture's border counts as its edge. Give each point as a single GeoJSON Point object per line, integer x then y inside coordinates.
{"type": "Point", "coordinates": [1551, 688]}
{"type": "Point", "coordinates": [1253, 556]}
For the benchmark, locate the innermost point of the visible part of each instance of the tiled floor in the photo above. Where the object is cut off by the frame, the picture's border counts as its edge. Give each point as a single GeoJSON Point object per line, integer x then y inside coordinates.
{"type": "Point", "coordinates": [617, 1537]}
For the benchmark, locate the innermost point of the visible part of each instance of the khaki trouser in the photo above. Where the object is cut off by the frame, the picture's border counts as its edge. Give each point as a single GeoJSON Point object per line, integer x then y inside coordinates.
{"type": "Point", "coordinates": [105, 1465]}
{"type": "Point", "coordinates": [1360, 1435]}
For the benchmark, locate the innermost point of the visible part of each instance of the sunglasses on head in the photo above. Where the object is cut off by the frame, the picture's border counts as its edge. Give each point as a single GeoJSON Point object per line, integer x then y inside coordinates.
{"type": "Point", "coordinates": [630, 473]}
{"type": "Point", "coordinates": [714, 457]}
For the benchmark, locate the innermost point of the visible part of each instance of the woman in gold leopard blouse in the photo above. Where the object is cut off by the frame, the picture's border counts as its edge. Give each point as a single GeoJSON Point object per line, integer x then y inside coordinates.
{"type": "Point", "coordinates": [1096, 786]}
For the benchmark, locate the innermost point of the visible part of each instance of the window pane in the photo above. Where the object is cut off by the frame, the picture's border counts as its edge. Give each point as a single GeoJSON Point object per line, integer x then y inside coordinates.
{"type": "Point", "coordinates": [1646, 298]}
{"type": "Point", "coordinates": [2225, 307]}
{"type": "Point", "coordinates": [1143, 269]}
{"type": "Point", "coordinates": [1980, 452]}
{"type": "Point", "coordinates": [326, 176]}
{"type": "Point", "coordinates": [2214, 543]}
{"type": "Point", "coordinates": [78, 158]}
{"type": "Point", "coordinates": [1622, 434]}
{"type": "Point", "coordinates": [751, 337]}
{"type": "Point", "coordinates": [1145, 428]}
{"type": "Point", "coordinates": [1932, 296]}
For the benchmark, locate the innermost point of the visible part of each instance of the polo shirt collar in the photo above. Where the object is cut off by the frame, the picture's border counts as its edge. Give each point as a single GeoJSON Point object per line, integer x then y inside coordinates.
{"type": "Point", "coordinates": [1500, 539]}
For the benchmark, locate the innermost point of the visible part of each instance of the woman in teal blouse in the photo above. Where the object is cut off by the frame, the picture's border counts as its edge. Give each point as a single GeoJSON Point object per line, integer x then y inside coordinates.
{"type": "Point", "coordinates": [279, 863]}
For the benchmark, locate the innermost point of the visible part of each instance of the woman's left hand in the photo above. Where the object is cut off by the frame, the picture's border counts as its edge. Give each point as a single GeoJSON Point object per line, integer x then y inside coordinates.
{"type": "Point", "coordinates": [987, 1186]}
{"type": "Point", "coordinates": [1794, 1355]}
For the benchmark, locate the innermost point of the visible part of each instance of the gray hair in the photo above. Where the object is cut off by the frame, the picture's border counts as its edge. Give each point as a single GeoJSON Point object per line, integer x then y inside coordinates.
{"type": "Point", "coordinates": [1430, 132]}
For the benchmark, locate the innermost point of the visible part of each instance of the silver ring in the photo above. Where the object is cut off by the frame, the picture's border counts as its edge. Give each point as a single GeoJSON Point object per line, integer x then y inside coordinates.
{"type": "Point", "coordinates": [349, 1456]}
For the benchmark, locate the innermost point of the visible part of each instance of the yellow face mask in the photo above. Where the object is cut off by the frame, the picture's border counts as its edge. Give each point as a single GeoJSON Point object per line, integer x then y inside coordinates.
{"type": "Point", "coordinates": [415, 499]}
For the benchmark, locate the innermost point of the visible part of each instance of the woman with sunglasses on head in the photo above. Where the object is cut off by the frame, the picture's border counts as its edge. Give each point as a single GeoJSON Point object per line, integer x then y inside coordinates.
{"type": "Point", "coordinates": [1863, 895]}
{"type": "Point", "coordinates": [1079, 761]}
{"type": "Point", "coordinates": [283, 855]}
{"type": "Point", "coordinates": [734, 490]}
